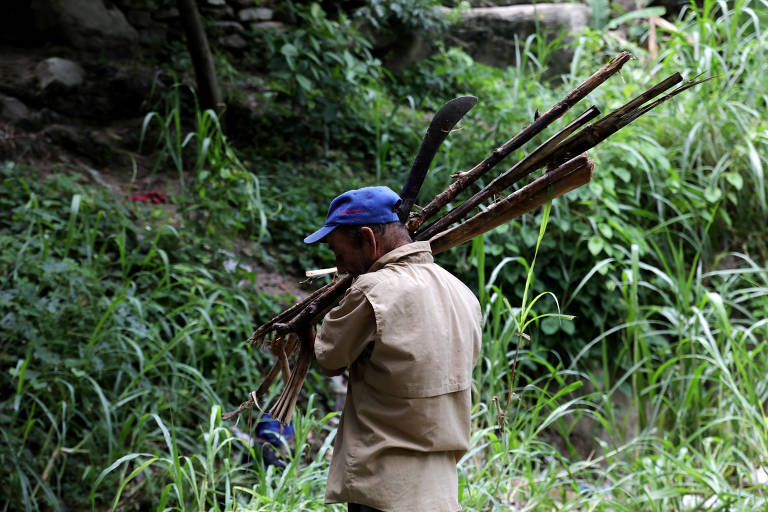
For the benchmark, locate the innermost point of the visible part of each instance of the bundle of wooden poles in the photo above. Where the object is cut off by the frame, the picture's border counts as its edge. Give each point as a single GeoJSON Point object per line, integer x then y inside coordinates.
{"type": "Point", "coordinates": [566, 167]}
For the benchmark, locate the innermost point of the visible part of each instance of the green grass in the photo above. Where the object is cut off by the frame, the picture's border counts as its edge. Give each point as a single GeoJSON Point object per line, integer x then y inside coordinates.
{"type": "Point", "coordinates": [110, 315]}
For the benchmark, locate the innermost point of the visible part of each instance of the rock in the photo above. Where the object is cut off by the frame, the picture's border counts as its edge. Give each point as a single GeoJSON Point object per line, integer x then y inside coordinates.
{"type": "Point", "coordinates": [60, 73]}
{"type": "Point", "coordinates": [140, 19]}
{"type": "Point", "coordinates": [488, 34]}
{"type": "Point", "coordinates": [216, 2]}
{"type": "Point", "coordinates": [165, 15]}
{"type": "Point", "coordinates": [117, 94]}
{"type": "Point", "coordinates": [38, 120]}
{"type": "Point", "coordinates": [233, 41]}
{"type": "Point", "coordinates": [12, 109]}
{"type": "Point", "coordinates": [225, 28]}
{"type": "Point", "coordinates": [217, 12]}
{"type": "Point", "coordinates": [270, 25]}
{"type": "Point", "coordinates": [91, 144]}
{"type": "Point", "coordinates": [406, 50]}
{"type": "Point", "coordinates": [84, 23]}
{"type": "Point", "coordinates": [255, 14]}
{"type": "Point", "coordinates": [129, 93]}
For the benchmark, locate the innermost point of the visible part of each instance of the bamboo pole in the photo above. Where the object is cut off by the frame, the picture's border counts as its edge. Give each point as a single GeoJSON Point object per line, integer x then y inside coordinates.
{"type": "Point", "coordinates": [258, 335]}
{"type": "Point", "coordinates": [540, 123]}
{"type": "Point", "coordinates": [289, 348]}
{"type": "Point", "coordinates": [283, 408]}
{"type": "Point", "coordinates": [534, 160]}
{"type": "Point", "coordinates": [574, 172]}
{"type": "Point", "coordinates": [554, 152]}
{"type": "Point", "coordinates": [565, 178]}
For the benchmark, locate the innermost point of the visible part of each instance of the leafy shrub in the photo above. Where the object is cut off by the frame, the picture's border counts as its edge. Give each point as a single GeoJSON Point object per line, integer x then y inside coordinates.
{"type": "Point", "coordinates": [422, 16]}
{"type": "Point", "coordinates": [683, 167]}
{"type": "Point", "coordinates": [108, 314]}
{"type": "Point", "coordinates": [320, 66]}
{"type": "Point", "coordinates": [218, 194]}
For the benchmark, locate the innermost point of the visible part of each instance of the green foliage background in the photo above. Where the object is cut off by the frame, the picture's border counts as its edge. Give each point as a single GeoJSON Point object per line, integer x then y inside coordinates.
{"type": "Point", "coordinates": [123, 331]}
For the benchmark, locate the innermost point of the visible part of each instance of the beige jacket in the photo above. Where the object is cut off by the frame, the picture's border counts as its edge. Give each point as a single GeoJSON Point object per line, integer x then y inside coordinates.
{"type": "Point", "coordinates": [409, 332]}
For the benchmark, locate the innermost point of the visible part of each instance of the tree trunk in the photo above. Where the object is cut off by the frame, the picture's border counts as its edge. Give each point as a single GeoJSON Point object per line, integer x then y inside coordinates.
{"type": "Point", "coordinates": [208, 91]}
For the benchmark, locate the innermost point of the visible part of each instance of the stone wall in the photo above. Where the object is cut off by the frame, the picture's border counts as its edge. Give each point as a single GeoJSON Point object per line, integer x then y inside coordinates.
{"type": "Point", "coordinates": [125, 26]}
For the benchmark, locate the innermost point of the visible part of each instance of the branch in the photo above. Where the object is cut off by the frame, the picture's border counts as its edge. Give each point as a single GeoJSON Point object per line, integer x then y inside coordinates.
{"type": "Point", "coordinates": [565, 178]}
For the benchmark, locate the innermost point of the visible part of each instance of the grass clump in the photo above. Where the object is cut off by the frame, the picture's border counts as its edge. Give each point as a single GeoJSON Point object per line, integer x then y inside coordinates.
{"type": "Point", "coordinates": [110, 313]}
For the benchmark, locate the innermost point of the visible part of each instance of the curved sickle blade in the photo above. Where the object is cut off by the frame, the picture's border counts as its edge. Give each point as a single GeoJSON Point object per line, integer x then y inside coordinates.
{"type": "Point", "coordinates": [439, 128]}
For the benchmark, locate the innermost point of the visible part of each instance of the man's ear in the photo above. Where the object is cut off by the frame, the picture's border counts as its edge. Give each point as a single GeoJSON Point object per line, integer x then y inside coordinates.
{"type": "Point", "coordinates": [368, 237]}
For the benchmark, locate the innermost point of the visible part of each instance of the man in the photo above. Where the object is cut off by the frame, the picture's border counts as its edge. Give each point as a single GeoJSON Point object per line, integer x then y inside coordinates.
{"type": "Point", "coordinates": [409, 332]}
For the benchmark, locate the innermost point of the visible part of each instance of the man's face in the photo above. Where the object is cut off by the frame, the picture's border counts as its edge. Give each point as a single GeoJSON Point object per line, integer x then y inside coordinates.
{"type": "Point", "coordinates": [351, 258]}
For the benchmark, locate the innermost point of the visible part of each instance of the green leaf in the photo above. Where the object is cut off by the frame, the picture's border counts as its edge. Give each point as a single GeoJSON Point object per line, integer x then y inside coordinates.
{"type": "Point", "coordinates": [304, 82]}
{"type": "Point", "coordinates": [734, 179]}
{"type": "Point", "coordinates": [610, 184]}
{"type": "Point", "coordinates": [674, 185]}
{"type": "Point", "coordinates": [623, 174]}
{"type": "Point", "coordinates": [605, 230]}
{"type": "Point", "coordinates": [550, 325]}
{"type": "Point", "coordinates": [289, 50]}
{"type": "Point", "coordinates": [712, 194]}
{"type": "Point", "coordinates": [529, 236]}
{"type": "Point", "coordinates": [595, 245]}
{"type": "Point", "coordinates": [316, 11]}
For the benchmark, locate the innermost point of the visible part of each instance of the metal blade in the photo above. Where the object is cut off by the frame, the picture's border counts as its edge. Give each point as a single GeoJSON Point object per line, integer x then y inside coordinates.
{"type": "Point", "coordinates": [439, 128]}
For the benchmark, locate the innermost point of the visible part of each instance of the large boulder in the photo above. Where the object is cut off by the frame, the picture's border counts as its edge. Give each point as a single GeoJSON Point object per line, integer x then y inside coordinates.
{"type": "Point", "coordinates": [11, 109]}
{"type": "Point", "coordinates": [84, 23]}
{"type": "Point", "coordinates": [489, 34]}
{"type": "Point", "coordinates": [58, 72]}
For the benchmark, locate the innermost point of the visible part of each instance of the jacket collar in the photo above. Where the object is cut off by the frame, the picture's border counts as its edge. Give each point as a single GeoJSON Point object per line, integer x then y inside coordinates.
{"type": "Point", "coordinates": [415, 252]}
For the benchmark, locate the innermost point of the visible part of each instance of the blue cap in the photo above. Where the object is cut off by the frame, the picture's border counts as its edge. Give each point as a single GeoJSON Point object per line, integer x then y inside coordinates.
{"type": "Point", "coordinates": [361, 207]}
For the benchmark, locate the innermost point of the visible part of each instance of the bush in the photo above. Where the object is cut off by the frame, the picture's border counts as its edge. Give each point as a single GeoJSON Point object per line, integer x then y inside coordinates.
{"type": "Point", "coordinates": [109, 313]}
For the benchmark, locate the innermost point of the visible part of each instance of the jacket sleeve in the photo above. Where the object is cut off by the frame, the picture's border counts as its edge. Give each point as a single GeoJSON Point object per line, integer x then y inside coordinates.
{"type": "Point", "coordinates": [346, 331]}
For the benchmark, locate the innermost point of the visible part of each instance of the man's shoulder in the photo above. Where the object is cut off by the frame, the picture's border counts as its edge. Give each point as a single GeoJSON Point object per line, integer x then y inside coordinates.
{"type": "Point", "coordinates": [402, 274]}
{"type": "Point", "coordinates": [369, 280]}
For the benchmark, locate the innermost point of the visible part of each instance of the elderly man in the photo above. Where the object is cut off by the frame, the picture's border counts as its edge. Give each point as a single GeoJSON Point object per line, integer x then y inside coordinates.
{"type": "Point", "coordinates": [409, 332]}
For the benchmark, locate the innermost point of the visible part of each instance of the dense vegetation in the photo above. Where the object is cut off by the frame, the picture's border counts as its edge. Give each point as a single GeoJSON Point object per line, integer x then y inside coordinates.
{"type": "Point", "coordinates": [123, 323]}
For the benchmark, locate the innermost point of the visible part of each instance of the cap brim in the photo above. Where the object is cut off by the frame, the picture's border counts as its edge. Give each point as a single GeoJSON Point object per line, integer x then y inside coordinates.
{"type": "Point", "coordinates": [319, 234]}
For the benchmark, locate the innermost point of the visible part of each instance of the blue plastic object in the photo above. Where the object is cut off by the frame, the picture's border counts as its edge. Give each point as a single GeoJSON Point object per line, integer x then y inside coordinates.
{"type": "Point", "coordinates": [271, 431]}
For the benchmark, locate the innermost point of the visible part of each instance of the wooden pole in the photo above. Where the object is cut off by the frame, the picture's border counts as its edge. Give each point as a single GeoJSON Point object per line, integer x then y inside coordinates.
{"type": "Point", "coordinates": [558, 109]}
{"type": "Point", "coordinates": [554, 152]}
{"type": "Point", "coordinates": [534, 160]}
{"type": "Point", "coordinates": [565, 178]}
{"type": "Point", "coordinates": [208, 91]}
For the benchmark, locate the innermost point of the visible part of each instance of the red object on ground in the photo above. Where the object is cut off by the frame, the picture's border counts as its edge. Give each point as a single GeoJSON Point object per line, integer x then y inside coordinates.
{"type": "Point", "coordinates": [151, 197]}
